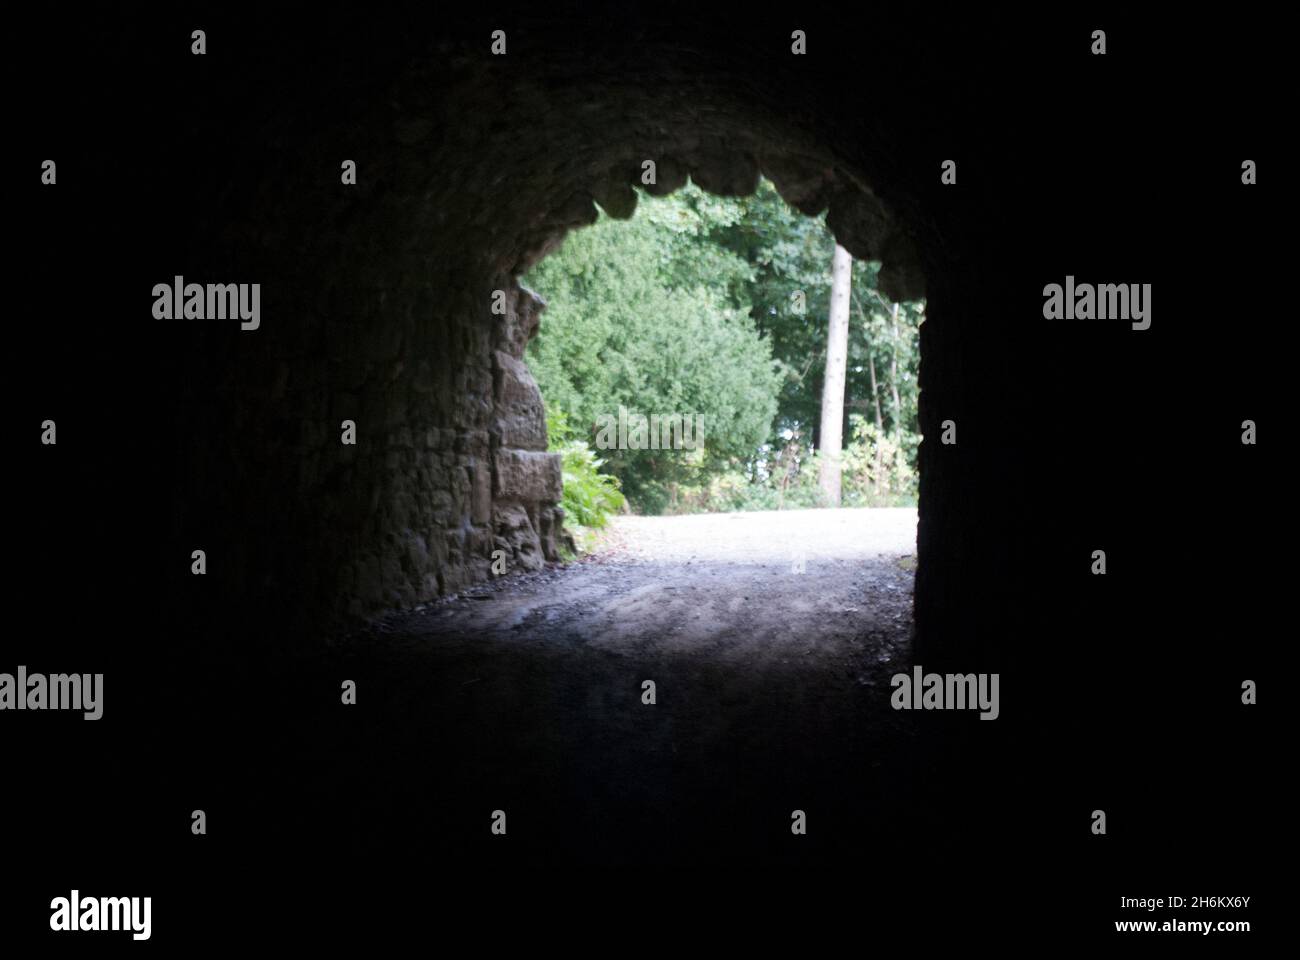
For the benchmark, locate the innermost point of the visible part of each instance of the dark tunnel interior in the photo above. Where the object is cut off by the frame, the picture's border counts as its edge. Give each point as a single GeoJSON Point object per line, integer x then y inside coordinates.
{"type": "Point", "coordinates": [375, 307]}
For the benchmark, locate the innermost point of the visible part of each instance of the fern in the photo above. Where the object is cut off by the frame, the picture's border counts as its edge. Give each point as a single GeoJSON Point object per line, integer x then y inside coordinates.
{"type": "Point", "coordinates": [589, 497]}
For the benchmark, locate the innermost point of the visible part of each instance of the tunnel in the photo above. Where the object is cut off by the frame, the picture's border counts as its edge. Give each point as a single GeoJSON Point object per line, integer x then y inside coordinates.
{"type": "Point", "coordinates": [387, 296]}
{"type": "Point", "coordinates": [391, 305]}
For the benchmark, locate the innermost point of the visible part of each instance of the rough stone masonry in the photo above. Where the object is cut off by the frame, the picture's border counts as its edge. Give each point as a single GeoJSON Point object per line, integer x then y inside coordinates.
{"type": "Point", "coordinates": [377, 307]}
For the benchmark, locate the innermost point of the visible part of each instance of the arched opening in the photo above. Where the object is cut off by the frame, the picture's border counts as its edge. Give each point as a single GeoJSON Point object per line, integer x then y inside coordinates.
{"type": "Point", "coordinates": [413, 323]}
{"type": "Point", "coordinates": [405, 316]}
{"type": "Point", "coordinates": [377, 311]}
{"type": "Point", "coordinates": [711, 312]}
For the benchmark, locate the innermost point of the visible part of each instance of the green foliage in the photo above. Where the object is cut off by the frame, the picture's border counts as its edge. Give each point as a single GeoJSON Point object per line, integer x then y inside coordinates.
{"type": "Point", "coordinates": [876, 471]}
{"type": "Point", "coordinates": [646, 315]}
{"type": "Point", "coordinates": [791, 252]}
{"type": "Point", "coordinates": [590, 497]}
{"type": "Point", "coordinates": [688, 309]}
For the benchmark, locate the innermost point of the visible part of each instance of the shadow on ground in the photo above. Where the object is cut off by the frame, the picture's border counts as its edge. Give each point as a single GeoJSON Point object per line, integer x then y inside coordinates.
{"type": "Point", "coordinates": [770, 640]}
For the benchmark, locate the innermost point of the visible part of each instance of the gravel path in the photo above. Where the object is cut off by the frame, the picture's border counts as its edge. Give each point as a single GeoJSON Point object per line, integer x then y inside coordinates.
{"type": "Point", "coordinates": [748, 587]}
{"type": "Point", "coordinates": [770, 638]}
{"type": "Point", "coordinates": [774, 537]}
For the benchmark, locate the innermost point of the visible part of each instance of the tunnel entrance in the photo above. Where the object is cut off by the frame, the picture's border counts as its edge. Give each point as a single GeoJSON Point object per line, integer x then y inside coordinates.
{"type": "Point", "coordinates": [247, 518]}
{"type": "Point", "coordinates": [713, 310]}
{"type": "Point", "coordinates": [419, 339]}
{"type": "Point", "coordinates": [704, 636]}
{"type": "Point", "coordinates": [683, 672]}
{"type": "Point", "coordinates": [663, 349]}
{"type": "Point", "coordinates": [688, 680]}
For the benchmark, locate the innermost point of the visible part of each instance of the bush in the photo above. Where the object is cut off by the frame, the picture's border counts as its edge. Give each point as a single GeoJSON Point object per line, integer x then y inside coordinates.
{"type": "Point", "coordinates": [650, 315]}
{"type": "Point", "coordinates": [878, 468]}
{"type": "Point", "coordinates": [589, 497]}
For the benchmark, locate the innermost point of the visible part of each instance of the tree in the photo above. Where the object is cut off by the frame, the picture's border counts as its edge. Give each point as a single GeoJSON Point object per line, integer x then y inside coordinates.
{"type": "Point", "coordinates": [790, 255]}
{"type": "Point", "coordinates": [650, 315]}
{"type": "Point", "coordinates": [721, 306]}
{"type": "Point", "coordinates": [837, 348]}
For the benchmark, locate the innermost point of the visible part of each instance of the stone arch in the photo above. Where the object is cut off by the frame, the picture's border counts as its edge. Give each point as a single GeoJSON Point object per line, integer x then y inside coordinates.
{"type": "Point", "coordinates": [469, 170]}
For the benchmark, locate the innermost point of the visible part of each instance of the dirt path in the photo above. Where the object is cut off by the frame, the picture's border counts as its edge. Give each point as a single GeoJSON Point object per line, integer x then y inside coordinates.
{"type": "Point", "coordinates": [746, 588]}
{"type": "Point", "coordinates": [770, 639]}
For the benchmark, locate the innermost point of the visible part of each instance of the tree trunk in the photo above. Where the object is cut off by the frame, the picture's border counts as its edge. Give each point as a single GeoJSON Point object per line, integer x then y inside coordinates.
{"type": "Point", "coordinates": [875, 393]}
{"type": "Point", "coordinates": [893, 379]}
{"type": "Point", "coordinates": [880, 420]}
{"type": "Point", "coordinates": [837, 349]}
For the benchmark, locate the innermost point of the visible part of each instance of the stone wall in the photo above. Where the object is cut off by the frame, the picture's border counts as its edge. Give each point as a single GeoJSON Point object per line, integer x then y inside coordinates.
{"type": "Point", "coordinates": [377, 306]}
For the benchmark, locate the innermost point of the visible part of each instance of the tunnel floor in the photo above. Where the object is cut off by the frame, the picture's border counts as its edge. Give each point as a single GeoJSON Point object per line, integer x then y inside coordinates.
{"type": "Point", "coordinates": [526, 696]}
{"type": "Point", "coordinates": [754, 590]}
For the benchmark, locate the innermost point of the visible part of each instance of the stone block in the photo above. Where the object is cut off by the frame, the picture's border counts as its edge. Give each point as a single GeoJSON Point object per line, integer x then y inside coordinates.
{"type": "Point", "coordinates": [527, 475]}
{"type": "Point", "coordinates": [521, 412]}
